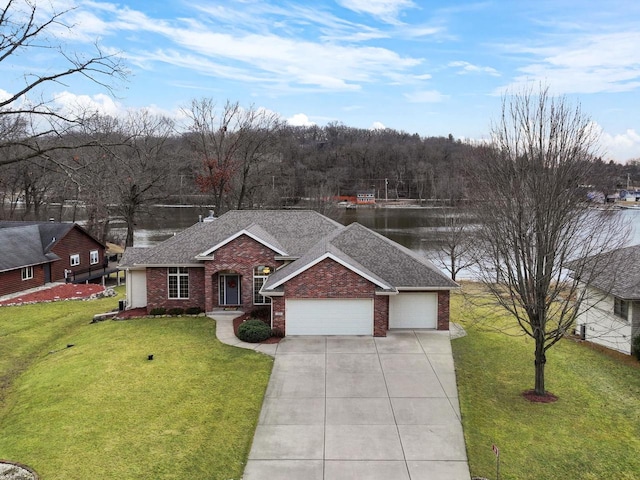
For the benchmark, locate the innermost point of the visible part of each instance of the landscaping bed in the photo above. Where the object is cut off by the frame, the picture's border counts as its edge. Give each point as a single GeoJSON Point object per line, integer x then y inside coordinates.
{"type": "Point", "coordinates": [63, 291]}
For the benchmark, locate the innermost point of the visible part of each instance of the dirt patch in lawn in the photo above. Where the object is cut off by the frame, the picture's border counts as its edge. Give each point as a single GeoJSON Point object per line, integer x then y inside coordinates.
{"type": "Point", "coordinates": [63, 291]}
{"type": "Point", "coordinates": [533, 397]}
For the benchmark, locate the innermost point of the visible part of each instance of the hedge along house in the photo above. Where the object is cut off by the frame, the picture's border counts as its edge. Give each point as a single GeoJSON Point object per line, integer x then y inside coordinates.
{"type": "Point", "coordinates": [317, 276]}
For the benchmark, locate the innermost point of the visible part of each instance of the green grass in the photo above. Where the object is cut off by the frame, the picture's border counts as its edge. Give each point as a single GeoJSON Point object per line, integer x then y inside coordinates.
{"type": "Point", "coordinates": [100, 409]}
{"type": "Point", "coordinates": [591, 432]}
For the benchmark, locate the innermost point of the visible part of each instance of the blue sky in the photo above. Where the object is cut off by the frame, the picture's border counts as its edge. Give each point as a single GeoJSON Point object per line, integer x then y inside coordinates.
{"type": "Point", "coordinates": [426, 67]}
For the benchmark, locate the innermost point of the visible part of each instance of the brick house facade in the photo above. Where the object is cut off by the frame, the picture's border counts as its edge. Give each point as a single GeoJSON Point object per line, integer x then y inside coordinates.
{"type": "Point", "coordinates": [36, 253]}
{"type": "Point", "coordinates": [251, 260]}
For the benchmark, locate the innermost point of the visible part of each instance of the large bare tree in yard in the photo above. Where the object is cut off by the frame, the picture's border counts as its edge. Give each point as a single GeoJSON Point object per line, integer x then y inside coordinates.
{"type": "Point", "coordinates": [29, 118]}
{"type": "Point", "coordinates": [536, 221]}
{"type": "Point", "coordinates": [229, 144]}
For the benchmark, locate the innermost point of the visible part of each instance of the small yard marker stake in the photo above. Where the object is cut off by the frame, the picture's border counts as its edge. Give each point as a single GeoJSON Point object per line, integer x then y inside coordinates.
{"type": "Point", "coordinates": [496, 451]}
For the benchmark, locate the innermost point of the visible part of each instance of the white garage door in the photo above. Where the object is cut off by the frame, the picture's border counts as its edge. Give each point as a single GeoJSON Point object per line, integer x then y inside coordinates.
{"type": "Point", "coordinates": [413, 310]}
{"type": "Point", "coordinates": [332, 316]}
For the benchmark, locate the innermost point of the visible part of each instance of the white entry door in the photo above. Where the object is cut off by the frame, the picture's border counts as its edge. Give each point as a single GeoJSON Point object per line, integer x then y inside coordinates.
{"type": "Point", "coordinates": [413, 310]}
{"type": "Point", "coordinates": [329, 316]}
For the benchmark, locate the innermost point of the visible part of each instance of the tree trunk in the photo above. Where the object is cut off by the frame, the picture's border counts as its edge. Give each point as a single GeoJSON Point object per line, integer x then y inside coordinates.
{"type": "Point", "coordinates": [540, 361]}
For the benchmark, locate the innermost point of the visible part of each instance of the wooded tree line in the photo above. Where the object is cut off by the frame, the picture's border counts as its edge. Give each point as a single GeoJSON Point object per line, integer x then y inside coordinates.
{"type": "Point", "coordinates": [230, 157]}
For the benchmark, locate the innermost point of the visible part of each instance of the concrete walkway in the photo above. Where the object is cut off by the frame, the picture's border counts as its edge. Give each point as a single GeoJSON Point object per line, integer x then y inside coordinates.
{"type": "Point", "coordinates": [360, 408]}
{"type": "Point", "coordinates": [224, 332]}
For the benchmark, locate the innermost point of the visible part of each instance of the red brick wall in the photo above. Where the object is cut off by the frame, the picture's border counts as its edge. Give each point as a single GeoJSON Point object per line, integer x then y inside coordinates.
{"type": "Point", "coordinates": [443, 310]}
{"type": "Point", "coordinates": [380, 315]}
{"type": "Point", "coordinates": [239, 256]}
{"type": "Point", "coordinates": [158, 289]}
{"type": "Point", "coordinates": [277, 313]}
{"type": "Point", "coordinates": [11, 281]}
{"type": "Point", "coordinates": [329, 279]}
{"type": "Point", "coordinates": [75, 241]}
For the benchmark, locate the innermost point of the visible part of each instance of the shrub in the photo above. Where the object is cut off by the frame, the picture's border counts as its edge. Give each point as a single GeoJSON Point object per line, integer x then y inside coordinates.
{"type": "Point", "coordinates": [158, 311]}
{"type": "Point", "coordinates": [253, 331]}
{"type": "Point", "coordinates": [193, 311]}
{"type": "Point", "coordinates": [176, 311]}
{"type": "Point", "coordinates": [635, 346]}
{"type": "Point", "coordinates": [263, 313]}
{"type": "Point", "coordinates": [277, 332]}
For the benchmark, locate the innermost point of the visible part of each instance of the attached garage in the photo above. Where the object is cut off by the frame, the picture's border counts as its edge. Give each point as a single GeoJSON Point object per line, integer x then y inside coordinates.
{"type": "Point", "coordinates": [329, 316]}
{"type": "Point", "coordinates": [413, 310]}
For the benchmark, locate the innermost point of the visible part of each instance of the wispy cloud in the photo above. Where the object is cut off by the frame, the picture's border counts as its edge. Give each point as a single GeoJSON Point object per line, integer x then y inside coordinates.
{"type": "Point", "coordinates": [426, 96]}
{"type": "Point", "coordinates": [254, 53]}
{"type": "Point", "coordinates": [466, 68]}
{"type": "Point", "coordinates": [593, 63]}
{"type": "Point", "coordinates": [386, 10]}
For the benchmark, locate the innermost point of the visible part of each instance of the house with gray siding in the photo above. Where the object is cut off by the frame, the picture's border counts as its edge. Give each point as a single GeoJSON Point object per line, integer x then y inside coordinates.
{"type": "Point", "coordinates": [610, 312]}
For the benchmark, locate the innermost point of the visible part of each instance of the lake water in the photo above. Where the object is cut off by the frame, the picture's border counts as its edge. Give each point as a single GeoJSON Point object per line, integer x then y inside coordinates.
{"type": "Point", "coordinates": [419, 229]}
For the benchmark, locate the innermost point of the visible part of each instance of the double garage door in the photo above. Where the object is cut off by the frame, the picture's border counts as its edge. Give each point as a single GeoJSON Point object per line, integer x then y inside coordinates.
{"type": "Point", "coordinates": [329, 316]}
{"type": "Point", "coordinates": [354, 316]}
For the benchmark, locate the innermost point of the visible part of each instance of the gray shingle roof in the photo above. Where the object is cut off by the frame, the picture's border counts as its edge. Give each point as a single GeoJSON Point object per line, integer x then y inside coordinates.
{"type": "Point", "coordinates": [305, 235]}
{"type": "Point", "coordinates": [618, 272]}
{"type": "Point", "coordinates": [375, 255]}
{"type": "Point", "coordinates": [295, 231]}
{"type": "Point", "coordinates": [28, 243]}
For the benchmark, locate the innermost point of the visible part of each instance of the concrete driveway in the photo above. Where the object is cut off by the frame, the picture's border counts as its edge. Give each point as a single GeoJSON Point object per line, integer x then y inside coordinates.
{"type": "Point", "coordinates": [361, 408]}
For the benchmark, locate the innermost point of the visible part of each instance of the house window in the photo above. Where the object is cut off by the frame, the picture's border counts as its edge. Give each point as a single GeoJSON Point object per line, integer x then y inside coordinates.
{"type": "Point", "coordinates": [260, 275]}
{"type": "Point", "coordinates": [74, 260]}
{"type": "Point", "coordinates": [621, 308]}
{"type": "Point", "coordinates": [178, 282]}
{"type": "Point", "coordinates": [27, 273]}
{"type": "Point", "coordinates": [93, 257]}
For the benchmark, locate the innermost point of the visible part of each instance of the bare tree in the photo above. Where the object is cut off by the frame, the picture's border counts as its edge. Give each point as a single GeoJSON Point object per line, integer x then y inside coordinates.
{"type": "Point", "coordinates": [230, 143]}
{"type": "Point", "coordinates": [28, 117]}
{"type": "Point", "coordinates": [455, 252]}
{"type": "Point", "coordinates": [535, 220]}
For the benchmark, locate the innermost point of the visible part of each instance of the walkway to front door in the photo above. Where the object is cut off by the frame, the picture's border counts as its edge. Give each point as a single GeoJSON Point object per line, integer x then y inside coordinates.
{"type": "Point", "coordinates": [339, 408]}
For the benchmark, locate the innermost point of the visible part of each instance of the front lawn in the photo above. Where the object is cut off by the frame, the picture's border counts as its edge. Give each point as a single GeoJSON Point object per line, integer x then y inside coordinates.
{"type": "Point", "coordinates": [591, 432]}
{"type": "Point", "coordinates": [101, 409]}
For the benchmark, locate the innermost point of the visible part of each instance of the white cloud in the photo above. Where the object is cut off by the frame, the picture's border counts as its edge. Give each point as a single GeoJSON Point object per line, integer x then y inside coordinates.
{"type": "Point", "coordinates": [619, 146]}
{"type": "Point", "coordinates": [260, 55]}
{"type": "Point", "coordinates": [300, 120]}
{"type": "Point", "coordinates": [4, 95]}
{"type": "Point", "coordinates": [386, 10]}
{"type": "Point", "coordinates": [72, 104]}
{"type": "Point", "coordinates": [426, 96]}
{"type": "Point", "coordinates": [466, 67]}
{"type": "Point", "coordinates": [377, 126]}
{"type": "Point", "coordinates": [596, 63]}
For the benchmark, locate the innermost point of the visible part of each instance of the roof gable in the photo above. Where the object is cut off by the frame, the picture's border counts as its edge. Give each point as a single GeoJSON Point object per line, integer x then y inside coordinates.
{"type": "Point", "coordinates": [255, 232]}
{"type": "Point", "coordinates": [373, 256]}
{"type": "Point", "coordinates": [288, 232]}
{"type": "Point", "coordinates": [297, 268]}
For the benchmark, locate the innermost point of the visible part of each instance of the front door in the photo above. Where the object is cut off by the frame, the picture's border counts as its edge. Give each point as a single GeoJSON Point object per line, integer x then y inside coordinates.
{"type": "Point", "coordinates": [229, 289]}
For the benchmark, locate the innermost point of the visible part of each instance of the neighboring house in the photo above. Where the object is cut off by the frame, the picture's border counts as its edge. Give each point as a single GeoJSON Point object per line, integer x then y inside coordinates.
{"type": "Point", "coordinates": [610, 312]}
{"type": "Point", "coordinates": [35, 253]}
{"type": "Point", "coordinates": [317, 276]}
